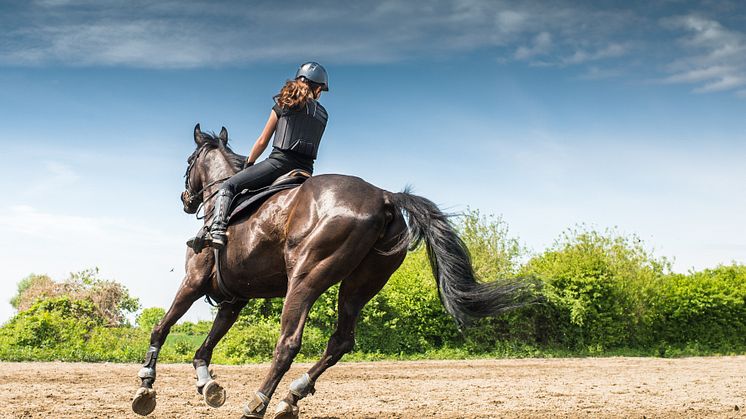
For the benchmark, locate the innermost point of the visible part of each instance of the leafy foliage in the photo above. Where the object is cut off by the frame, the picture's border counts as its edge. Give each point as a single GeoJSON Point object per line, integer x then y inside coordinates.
{"type": "Point", "coordinates": [110, 299]}
{"type": "Point", "coordinates": [705, 308]}
{"type": "Point", "coordinates": [150, 317]}
{"type": "Point", "coordinates": [596, 286]}
{"type": "Point", "coordinates": [603, 293]}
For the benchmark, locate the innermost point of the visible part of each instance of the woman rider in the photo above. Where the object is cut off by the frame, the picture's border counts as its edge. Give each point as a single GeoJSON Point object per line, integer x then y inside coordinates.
{"type": "Point", "coordinates": [297, 121]}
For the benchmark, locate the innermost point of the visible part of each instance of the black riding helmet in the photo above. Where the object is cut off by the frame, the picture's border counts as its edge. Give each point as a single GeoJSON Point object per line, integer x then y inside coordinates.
{"type": "Point", "coordinates": [314, 72]}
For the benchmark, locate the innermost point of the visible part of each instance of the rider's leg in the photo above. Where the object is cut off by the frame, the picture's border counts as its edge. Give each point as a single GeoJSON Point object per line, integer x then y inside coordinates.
{"type": "Point", "coordinates": [253, 177]}
{"type": "Point", "coordinates": [218, 234]}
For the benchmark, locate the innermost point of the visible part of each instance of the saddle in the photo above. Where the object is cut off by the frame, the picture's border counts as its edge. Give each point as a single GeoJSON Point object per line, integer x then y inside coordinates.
{"type": "Point", "coordinates": [247, 201]}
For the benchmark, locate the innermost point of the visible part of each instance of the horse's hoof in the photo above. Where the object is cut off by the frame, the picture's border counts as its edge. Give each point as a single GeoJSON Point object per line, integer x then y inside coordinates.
{"type": "Point", "coordinates": [286, 411]}
{"type": "Point", "coordinates": [214, 394]}
{"type": "Point", "coordinates": [144, 402]}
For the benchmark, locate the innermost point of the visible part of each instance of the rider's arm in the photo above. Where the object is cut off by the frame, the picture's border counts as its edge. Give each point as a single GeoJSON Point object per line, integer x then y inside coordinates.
{"type": "Point", "coordinates": [263, 140]}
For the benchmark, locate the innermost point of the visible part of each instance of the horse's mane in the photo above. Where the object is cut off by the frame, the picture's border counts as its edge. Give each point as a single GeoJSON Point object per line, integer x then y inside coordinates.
{"type": "Point", "coordinates": [212, 141]}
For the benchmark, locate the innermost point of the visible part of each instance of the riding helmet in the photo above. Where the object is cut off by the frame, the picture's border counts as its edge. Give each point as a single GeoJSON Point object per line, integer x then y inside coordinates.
{"type": "Point", "coordinates": [314, 72]}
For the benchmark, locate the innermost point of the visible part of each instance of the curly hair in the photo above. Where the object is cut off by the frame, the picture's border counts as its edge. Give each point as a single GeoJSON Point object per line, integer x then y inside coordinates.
{"type": "Point", "coordinates": [295, 93]}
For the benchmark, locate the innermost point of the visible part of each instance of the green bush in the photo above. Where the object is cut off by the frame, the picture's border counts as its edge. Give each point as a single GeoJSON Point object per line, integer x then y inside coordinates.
{"type": "Point", "coordinates": [110, 298]}
{"type": "Point", "coordinates": [407, 315]}
{"type": "Point", "coordinates": [150, 317]}
{"type": "Point", "coordinates": [603, 294]}
{"type": "Point", "coordinates": [48, 325]}
{"type": "Point", "coordinates": [706, 308]}
{"type": "Point", "coordinates": [596, 287]}
{"type": "Point", "coordinates": [116, 344]}
{"type": "Point", "coordinates": [202, 327]}
{"type": "Point", "coordinates": [256, 343]}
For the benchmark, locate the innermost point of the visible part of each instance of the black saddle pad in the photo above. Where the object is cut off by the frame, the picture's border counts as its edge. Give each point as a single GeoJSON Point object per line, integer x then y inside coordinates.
{"type": "Point", "coordinates": [246, 202]}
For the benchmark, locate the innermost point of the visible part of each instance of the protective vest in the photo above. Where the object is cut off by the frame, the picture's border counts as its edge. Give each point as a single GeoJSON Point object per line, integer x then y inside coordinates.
{"type": "Point", "coordinates": [301, 130]}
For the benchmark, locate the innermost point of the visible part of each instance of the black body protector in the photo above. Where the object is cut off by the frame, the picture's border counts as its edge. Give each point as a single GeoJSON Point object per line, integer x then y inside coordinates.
{"type": "Point", "coordinates": [300, 130]}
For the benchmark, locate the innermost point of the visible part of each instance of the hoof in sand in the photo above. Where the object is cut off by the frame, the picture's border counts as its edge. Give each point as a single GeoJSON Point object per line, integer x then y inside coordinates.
{"type": "Point", "coordinates": [286, 411]}
{"type": "Point", "coordinates": [144, 402]}
{"type": "Point", "coordinates": [213, 394]}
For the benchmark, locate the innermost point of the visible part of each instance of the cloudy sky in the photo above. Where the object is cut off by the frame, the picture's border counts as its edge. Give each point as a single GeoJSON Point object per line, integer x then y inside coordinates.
{"type": "Point", "coordinates": [549, 115]}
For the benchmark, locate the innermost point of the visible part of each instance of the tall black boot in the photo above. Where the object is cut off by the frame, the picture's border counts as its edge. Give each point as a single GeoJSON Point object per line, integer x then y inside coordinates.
{"type": "Point", "coordinates": [218, 236]}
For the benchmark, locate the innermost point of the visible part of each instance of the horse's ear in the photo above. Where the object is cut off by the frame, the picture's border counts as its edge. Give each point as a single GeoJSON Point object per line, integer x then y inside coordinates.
{"type": "Point", "coordinates": [198, 138]}
{"type": "Point", "coordinates": [223, 135]}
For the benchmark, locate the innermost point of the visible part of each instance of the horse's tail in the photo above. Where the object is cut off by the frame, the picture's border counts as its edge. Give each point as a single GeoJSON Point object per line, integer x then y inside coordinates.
{"type": "Point", "coordinates": [462, 295]}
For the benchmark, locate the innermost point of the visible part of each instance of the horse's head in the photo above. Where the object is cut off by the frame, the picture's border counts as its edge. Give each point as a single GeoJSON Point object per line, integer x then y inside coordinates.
{"type": "Point", "coordinates": [203, 171]}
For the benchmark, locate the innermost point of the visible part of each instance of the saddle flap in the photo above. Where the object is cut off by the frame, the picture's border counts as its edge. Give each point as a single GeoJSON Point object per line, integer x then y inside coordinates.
{"type": "Point", "coordinates": [248, 201]}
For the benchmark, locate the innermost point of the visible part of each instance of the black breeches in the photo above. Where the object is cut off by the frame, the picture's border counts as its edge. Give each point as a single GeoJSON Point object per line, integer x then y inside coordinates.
{"type": "Point", "coordinates": [259, 175]}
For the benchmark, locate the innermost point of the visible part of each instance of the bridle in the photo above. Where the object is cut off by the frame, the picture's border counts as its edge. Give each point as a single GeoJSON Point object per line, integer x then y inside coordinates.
{"type": "Point", "coordinates": [189, 197]}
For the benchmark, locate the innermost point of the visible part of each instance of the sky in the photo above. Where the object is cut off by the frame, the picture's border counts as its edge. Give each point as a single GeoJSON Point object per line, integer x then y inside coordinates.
{"type": "Point", "coordinates": [626, 115]}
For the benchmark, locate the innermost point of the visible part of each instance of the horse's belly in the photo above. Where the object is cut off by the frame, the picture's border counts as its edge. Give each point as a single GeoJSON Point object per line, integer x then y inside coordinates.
{"type": "Point", "coordinates": [255, 270]}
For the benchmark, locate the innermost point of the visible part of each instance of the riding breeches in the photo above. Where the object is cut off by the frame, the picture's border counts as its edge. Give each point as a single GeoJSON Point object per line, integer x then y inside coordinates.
{"type": "Point", "coordinates": [265, 172]}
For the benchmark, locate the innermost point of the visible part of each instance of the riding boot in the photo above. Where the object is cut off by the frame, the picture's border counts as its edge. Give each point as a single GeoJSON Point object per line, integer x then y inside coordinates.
{"type": "Point", "coordinates": [218, 235]}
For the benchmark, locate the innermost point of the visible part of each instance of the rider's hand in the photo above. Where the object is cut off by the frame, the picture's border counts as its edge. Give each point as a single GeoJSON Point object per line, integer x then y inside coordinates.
{"type": "Point", "coordinates": [247, 163]}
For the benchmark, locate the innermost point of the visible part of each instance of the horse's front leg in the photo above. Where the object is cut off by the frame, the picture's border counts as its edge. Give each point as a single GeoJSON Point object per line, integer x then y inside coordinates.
{"type": "Point", "coordinates": [211, 391]}
{"type": "Point", "coordinates": [144, 401]}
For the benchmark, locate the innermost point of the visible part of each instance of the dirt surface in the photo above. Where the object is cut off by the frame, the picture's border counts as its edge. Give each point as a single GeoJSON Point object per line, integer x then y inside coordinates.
{"type": "Point", "coordinates": [528, 388]}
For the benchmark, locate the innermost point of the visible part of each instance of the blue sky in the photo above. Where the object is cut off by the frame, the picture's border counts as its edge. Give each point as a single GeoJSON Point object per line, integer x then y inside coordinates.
{"type": "Point", "coordinates": [548, 115]}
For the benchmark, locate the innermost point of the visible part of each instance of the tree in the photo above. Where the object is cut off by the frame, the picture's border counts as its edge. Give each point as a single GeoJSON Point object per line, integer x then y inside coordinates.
{"type": "Point", "coordinates": [31, 288]}
{"type": "Point", "coordinates": [110, 298]}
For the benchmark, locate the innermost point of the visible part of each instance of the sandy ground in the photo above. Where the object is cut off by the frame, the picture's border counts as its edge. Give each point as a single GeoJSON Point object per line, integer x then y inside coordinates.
{"type": "Point", "coordinates": [529, 388]}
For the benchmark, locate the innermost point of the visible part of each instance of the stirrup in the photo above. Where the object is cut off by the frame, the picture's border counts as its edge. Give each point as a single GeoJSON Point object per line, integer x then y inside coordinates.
{"type": "Point", "coordinates": [197, 243]}
{"type": "Point", "coordinates": [200, 241]}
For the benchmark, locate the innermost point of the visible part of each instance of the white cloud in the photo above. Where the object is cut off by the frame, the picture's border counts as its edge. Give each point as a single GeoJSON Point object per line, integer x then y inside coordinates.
{"type": "Point", "coordinates": [61, 173]}
{"type": "Point", "coordinates": [511, 21]}
{"type": "Point", "coordinates": [171, 34]}
{"type": "Point", "coordinates": [63, 228]}
{"type": "Point", "coordinates": [716, 55]}
{"type": "Point", "coordinates": [541, 45]}
{"type": "Point", "coordinates": [598, 73]}
{"type": "Point", "coordinates": [51, 176]}
{"type": "Point", "coordinates": [196, 34]}
{"type": "Point", "coordinates": [608, 51]}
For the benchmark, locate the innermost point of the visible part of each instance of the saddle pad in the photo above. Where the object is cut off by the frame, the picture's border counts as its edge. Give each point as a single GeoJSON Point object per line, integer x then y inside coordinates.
{"type": "Point", "coordinates": [248, 201]}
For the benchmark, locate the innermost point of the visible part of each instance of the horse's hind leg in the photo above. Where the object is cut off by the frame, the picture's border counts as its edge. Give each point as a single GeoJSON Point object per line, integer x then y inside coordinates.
{"type": "Point", "coordinates": [211, 391]}
{"type": "Point", "coordinates": [354, 293]}
{"type": "Point", "coordinates": [320, 268]}
{"type": "Point", "coordinates": [190, 291]}
{"type": "Point", "coordinates": [294, 313]}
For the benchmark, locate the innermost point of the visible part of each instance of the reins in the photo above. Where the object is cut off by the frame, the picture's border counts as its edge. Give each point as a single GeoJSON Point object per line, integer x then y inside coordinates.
{"type": "Point", "coordinates": [212, 195]}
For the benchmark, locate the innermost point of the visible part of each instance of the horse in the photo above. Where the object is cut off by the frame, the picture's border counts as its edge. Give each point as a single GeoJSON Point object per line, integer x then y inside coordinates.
{"type": "Point", "coordinates": [297, 244]}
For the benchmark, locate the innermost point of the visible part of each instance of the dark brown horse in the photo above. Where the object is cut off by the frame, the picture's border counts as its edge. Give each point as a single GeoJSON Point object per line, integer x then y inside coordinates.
{"type": "Point", "coordinates": [299, 243]}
